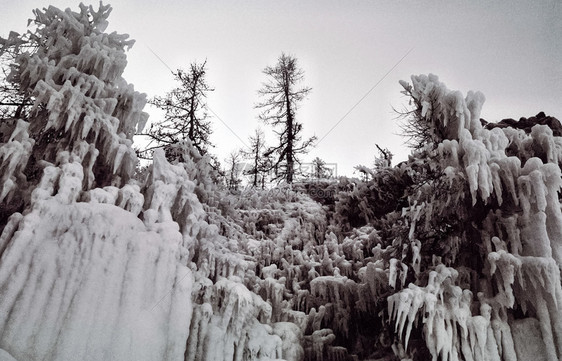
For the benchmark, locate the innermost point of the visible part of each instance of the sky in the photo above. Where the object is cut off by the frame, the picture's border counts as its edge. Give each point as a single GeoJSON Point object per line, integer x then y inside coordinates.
{"type": "Point", "coordinates": [353, 54]}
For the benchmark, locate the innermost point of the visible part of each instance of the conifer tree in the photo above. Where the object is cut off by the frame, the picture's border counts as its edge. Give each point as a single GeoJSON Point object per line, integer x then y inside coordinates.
{"type": "Point", "coordinates": [83, 110]}
{"type": "Point", "coordinates": [282, 95]}
{"type": "Point", "coordinates": [259, 162]}
{"type": "Point", "coordinates": [233, 171]}
{"type": "Point", "coordinates": [185, 110]}
{"type": "Point", "coordinates": [319, 169]}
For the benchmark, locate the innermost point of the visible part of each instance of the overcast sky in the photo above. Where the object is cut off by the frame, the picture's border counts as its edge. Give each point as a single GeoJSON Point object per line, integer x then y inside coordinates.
{"type": "Point", "coordinates": [509, 50]}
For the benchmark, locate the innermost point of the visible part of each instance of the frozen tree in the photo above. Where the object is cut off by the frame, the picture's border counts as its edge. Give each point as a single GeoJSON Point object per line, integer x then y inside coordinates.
{"type": "Point", "coordinates": [72, 70]}
{"type": "Point", "coordinates": [87, 266]}
{"type": "Point", "coordinates": [483, 206]}
{"type": "Point", "coordinates": [454, 254]}
{"type": "Point", "coordinates": [282, 95]}
{"type": "Point", "coordinates": [185, 110]}
{"type": "Point", "coordinates": [424, 122]}
{"type": "Point", "coordinates": [259, 162]}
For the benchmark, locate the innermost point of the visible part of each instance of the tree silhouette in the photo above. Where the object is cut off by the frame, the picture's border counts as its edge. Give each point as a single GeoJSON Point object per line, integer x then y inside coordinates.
{"type": "Point", "coordinates": [259, 162]}
{"type": "Point", "coordinates": [282, 95]}
{"type": "Point", "coordinates": [319, 169]}
{"type": "Point", "coordinates": [233, 171]}
{"type": "Point", "coordinates": [186, 114]}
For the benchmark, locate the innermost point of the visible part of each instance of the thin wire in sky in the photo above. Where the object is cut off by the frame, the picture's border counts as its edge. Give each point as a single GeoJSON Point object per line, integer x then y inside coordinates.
{"type": "Point", "coordinates": [159, 58]}
{"type": "Point", "coordinates": [208, 107]}
{"type": "Point", "coordinates": [364, 96]}
{"type": "Point", "coordinates": [169, 291]}
{"type": "Point", "coordinates": [226, 125]}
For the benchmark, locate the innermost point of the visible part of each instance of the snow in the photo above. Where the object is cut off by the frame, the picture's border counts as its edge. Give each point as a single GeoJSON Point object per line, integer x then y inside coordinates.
{"type": "Point", "coordinates": [14, 156]}
{"type": "Point", "coordinates": [527, 340]}
{"type": "Point", "coordinates": [100, 261]}
{"type": "Point", "coordinates": [531, 240]}
{"type": "Point", "coordinates": [81, 254]}
{"type": "Point", "coordinates": [5, 356]}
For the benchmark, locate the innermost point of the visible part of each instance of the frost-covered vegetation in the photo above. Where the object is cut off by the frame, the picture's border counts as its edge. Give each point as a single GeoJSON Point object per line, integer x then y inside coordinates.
{"type": "Point", "coordinates": [454, 254]}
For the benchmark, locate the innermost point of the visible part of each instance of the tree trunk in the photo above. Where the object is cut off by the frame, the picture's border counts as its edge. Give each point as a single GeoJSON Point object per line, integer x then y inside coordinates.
{"type": "Point", "coordinates": [256, 167]}
{"type": "Point", "coordinates": [290, 135]}
{"type": "Point", "coordinates": [192, 120]}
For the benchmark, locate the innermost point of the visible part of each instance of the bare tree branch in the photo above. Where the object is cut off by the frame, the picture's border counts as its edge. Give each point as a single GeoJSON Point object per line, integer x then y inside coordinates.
{"type": "Point", "coordinates": [185, 111]}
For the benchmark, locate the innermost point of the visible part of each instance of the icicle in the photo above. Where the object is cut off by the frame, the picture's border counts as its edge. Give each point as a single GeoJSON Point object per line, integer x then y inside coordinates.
{"type": "Point", "coordinates": [70, 182]}
{"type": "Point", "coordinates": [20, 132]}
{"type": "Point", "coordinates": [417, 303]}
{"type": "Point", "coordinates": [393, 269]}
{"type": "Point", "coordinates": [496, 182]}
{"type": "Point", "coordinates": [403, 274]}
{"type": "Point", "coordinates": [416, 257]}
{"type": "Point", "coordinates": [7, 187]}
{"type": "Point", "coordinates": [543, 137]}
{"type": "Point", "coordinates": [474, 102]}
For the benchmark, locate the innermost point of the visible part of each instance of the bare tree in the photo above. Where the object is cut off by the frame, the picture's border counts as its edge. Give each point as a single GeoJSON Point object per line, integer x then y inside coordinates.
{"type": "Point", "coordinates": [282, 95]}
{"type": "Point", "coordinates": [186, 114]}
{"type": "Point", "coordinates": [259, 162]}
{"type": "Point", "coordinates": [233, 172]}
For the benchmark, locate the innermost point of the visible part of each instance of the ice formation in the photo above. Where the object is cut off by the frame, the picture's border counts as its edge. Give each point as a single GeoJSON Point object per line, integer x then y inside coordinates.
{"type": "Point", "coordinates": [94, 264]}
{"type": "Point", "coordinates": [454, 254]}
{"type": "Point", "coordinates": [82, 276]}
{"type": "Point", "coordinates": [520, 235]}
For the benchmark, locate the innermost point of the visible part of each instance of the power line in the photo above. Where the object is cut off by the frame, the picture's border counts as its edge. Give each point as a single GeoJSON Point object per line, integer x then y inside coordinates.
{"type": "Point", "coordinates": [365, 96]}
{"type": "Point", "coordinates": [227, 127]}
{"type": "Point", "coordinates": [159, 58]}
